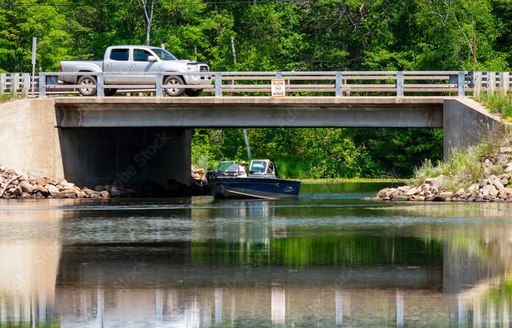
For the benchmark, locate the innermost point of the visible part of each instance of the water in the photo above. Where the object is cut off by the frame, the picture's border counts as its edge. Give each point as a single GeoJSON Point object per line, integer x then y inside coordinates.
{"type": "Point", "coordinates": [331, 258]}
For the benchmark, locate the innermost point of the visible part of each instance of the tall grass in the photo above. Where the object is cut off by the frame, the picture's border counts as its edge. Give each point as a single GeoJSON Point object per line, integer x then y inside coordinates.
{"type": "Point", "coordinates": [464, 168]}
{"type": "Point", "coordinates": [497, 103]}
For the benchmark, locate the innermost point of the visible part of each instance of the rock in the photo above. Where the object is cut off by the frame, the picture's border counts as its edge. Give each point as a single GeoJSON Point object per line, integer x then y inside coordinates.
{"type": "Point", "coordinates": [115, 191]}
{"type": "Point", "coordinates": [65, 194]}
{"type": "Point", "coordinates": [474, 188]}
{"type": "Point", "coordinates": [66, 186]}
{"type": "Point", "coordinates": [26, 187]}
{"type": "Point", "coordinates": [25, 195]}
{"type": "Point", "coordinates": [444, 196]}
{"type": "Point", "coordinates": [498, 184]}
{"type": "Point", "coordinates": [104, 194]}
{"type": "Point", "coordinates": [505, 150]}
{"type": "Point", "coordinates": [488, 162]}
{"type": "Point", "coordinates": [429, 181]}
{"type": "Point", "coordinates": [41, 181]}
{"type": "Point", "coordinates": [412, 191]}
{"type": "Point", "coordinates": [99, 188]}
{"type": "Point", "coordinates": [53, 190]}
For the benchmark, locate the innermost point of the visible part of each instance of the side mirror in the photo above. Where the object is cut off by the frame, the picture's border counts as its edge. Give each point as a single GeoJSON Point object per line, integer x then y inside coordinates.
{"type": "Point", "coordinates": [151, 58]}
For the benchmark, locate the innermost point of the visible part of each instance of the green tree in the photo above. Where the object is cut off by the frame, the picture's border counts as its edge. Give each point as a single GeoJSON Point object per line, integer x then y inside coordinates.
{"type": "Point", "coordinates": [20, 21]}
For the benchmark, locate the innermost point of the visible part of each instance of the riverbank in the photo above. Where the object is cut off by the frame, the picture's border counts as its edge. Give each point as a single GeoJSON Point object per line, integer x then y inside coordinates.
{"type": "Point", "coordinates": [18, 185]}
{"type": "Point", "coordinates": [15, 184]}
{"type": "Point", "coordinates": [495, 187]}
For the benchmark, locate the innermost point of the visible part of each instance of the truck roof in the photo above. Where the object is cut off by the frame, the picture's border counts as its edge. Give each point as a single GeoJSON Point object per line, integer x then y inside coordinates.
{"type": "Point", "coordinates": [133, 46]}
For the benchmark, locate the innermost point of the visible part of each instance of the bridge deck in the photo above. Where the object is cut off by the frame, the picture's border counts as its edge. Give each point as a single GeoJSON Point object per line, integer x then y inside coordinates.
{"type": "Point", "coordinates": [236, 112]}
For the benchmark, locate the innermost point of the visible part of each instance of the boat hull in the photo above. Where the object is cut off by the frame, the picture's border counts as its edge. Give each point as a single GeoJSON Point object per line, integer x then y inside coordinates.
{"type": "Point", "coordinates": [256, 188]}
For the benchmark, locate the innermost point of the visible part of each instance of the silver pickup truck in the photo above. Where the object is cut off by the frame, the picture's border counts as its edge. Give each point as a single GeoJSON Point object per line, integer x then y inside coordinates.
{"type": "Point", "coordinates": [136, 65]}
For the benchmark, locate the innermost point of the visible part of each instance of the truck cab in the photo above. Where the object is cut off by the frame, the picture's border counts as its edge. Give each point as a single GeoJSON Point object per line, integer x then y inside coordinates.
{"type": "Point", "coordinates": [138, 65]}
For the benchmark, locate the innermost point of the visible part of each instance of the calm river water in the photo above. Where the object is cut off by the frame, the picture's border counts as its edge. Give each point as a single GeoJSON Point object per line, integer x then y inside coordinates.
{"type": "Point", "coordinates": [330, 258]}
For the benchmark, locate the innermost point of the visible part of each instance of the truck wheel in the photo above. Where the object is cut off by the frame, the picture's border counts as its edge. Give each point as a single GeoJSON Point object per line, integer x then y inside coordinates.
{"type": "Point", "coordinates": [87, 85]}
{"type": "Point", "coordinates": [193, 92]}
{"type": "Point", "coordinates": [170, 86]}
{"type": "Point", "coordinates": [110, 92]}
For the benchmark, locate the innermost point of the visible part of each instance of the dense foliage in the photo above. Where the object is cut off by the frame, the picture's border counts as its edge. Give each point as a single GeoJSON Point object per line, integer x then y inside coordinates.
{"type": "Point", "coordinates": [301, 35]}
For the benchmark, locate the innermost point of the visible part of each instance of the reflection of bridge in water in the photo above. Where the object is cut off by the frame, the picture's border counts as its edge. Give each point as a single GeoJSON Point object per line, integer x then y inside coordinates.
{"type": "Point", "coordinates": [165, 282]}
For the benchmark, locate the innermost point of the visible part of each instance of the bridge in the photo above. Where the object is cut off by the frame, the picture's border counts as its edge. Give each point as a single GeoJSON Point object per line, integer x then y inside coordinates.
{"type": "Point", "coordinates": [145, 137]}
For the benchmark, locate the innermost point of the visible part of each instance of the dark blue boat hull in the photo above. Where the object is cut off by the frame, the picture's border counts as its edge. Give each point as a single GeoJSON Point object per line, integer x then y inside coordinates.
{"type": "Point", "coordinates": [259, 188]}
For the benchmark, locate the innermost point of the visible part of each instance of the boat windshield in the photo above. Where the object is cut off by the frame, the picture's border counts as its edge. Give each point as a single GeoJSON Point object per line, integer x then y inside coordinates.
{"type": "Point", "coordinates": [223, 166]}
{"type": "Point", "coordinates": [258, 166]}
{"type": "Point", "coordinates": [163, 54]}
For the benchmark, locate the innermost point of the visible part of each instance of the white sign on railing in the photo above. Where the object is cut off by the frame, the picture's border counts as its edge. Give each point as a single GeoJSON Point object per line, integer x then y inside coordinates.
{"type": "Point", "coordinates": [278, 88]}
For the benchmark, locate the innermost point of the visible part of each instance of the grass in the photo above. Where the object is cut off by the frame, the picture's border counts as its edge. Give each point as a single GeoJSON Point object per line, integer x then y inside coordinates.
{"type": "Point", "coordinates": [465, 167]}
{"type": "Point", "coordinates": [9, 97]}
{"type": "Point", "coordinates": [497, 103]}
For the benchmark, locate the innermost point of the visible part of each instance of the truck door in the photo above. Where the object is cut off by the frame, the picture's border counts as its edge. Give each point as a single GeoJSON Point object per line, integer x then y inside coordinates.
{"type": "Point", "coordinates": [117, 66]}
{"type": "Point", "coordinates": [142, 69]}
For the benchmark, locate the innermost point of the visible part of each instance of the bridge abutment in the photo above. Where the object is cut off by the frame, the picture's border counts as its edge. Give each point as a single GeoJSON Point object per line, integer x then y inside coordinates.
{"type": "Point", "coordinates": [151, 159]}
{"type": "Point", "coordinates": [465, 123]}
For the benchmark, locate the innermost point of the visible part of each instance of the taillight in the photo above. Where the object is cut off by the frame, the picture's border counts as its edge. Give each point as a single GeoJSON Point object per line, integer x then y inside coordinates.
{"type": "Point", "coordinates": [60, 67]}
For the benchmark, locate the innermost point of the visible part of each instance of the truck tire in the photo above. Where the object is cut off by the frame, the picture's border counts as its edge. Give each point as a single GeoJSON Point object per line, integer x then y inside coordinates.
{"type": "Point", "coordinates": [193, 92]}
{"type": "Point", "coordinates": [86, 83]}
{"type": "Point", "coordinates": [110, 92]}
{"type": "Point", "coordinates": [170, 83]}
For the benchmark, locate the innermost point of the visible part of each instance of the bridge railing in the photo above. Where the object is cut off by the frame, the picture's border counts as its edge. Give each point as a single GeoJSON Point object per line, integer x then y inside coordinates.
{"type": "Point", "coordinates": [15, 83]}
{"type": "Point", "coordinates": [339, 84]}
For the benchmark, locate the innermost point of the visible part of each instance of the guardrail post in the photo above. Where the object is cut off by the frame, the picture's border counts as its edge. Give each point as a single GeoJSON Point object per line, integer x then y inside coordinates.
{"type": "Point", "coordinates": [505, 82]}
{"type": "Point", "coordinates": [460, 84]}
{"type": "Point", "coordinates": [25, 84]}
{"type": "Point", "coordinates": [339, 87]}
{"type": "Point", "coordinates": [15, 83]}
{"type": "Point", "coordinates": [400, 84]}
{"type": "Point", "coordinates": [491, 82]}
{"type": "Point", "coordinates": [218, 84]}
{"type": "Point", "coordinates": [42, 84]}
{"type": "Point", "coordinates": [3, 84]}
{"type": "Point", "coordinates": [477, 83]}
{"type": "Point", "coordinates": [159, 83]}
{"type": "Point", "coordinates": [279, 75]}
{"type": "Point", "coordinates": [99, 85]}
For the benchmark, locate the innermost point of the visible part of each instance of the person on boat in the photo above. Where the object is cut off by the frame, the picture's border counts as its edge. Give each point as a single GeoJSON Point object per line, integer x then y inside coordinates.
{"type": "Point", "coordinates": [242, 169]}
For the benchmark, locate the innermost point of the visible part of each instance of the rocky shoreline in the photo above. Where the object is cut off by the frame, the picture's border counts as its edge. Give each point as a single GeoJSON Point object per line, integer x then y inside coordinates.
{"type": "Point", "coordinates": [14, 184]}
{"type": "Point", "coordinates": [17, 185]}
{"type": "Point", "coordinates": [495, 188]}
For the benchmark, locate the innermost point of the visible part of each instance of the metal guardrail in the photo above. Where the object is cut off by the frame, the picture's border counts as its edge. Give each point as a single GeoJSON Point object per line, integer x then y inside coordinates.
{"type": "Point", "coordinates": [339, 84]}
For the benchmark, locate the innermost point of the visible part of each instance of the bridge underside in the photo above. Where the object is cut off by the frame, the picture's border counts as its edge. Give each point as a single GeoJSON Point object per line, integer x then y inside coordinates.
{"type": "Point", "coordinates": [241, 112]}
{"type": "Point", "coordinates": [150, 161]}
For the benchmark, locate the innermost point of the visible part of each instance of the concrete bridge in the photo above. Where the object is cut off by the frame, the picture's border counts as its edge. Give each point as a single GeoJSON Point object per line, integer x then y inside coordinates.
{"type": "Point", "coordinates": [141, 140]}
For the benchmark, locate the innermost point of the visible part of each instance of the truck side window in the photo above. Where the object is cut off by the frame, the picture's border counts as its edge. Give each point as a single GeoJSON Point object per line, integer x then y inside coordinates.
{"type": "Point", "coordinates": [119, 54]}
{"type": "Point", "coordinates": [140, 55]}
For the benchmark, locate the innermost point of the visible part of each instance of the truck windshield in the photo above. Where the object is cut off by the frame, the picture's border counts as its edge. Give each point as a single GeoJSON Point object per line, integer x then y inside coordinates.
{"type": "Point", "coordinates": [163, 54]}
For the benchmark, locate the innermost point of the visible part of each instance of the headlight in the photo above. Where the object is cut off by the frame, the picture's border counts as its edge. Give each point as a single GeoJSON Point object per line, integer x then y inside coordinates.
{"type": "Point", "coordinates": [193, 67]}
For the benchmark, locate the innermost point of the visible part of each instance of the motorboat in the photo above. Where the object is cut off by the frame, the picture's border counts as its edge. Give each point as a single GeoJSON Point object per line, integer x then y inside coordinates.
{"type": "Point", "coordinates": [231, 181]}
